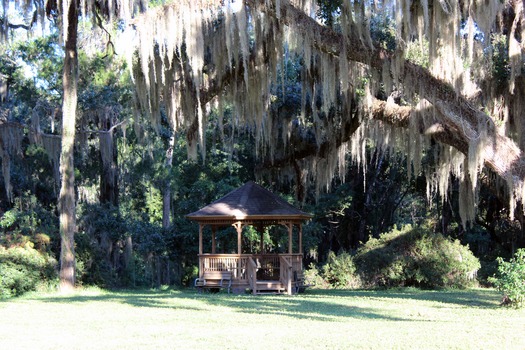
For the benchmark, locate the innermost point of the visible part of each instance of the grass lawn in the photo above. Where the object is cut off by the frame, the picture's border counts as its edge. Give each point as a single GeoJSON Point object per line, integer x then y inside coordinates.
{"type": "Point", "coordinates": [318, 319]}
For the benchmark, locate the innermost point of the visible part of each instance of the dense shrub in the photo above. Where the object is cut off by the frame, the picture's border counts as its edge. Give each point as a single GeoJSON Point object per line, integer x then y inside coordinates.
{"type": "Point", "coordinates": [28, 222]}
{"type": "Point", "coordinates": [313, 277]}
{"type": "Point", "coordinates": [510, 279]}
{"type": "Point", "coordinates": [339, 271]}
{"type": "Point", "coordinates": [100, 245]}
{"type": "Point", "coordinates": [415, 257]}
{"type": "Point", "coordinates": [115, 251]}
{"type": "Point", "coordinates": [23, 269]}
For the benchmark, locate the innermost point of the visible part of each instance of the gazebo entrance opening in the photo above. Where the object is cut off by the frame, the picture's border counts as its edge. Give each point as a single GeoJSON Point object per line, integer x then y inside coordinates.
{"type": "Point", "coordinates": [260, 272]}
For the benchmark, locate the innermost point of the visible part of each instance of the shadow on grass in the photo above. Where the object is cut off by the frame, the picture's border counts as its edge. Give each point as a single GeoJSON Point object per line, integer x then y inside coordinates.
{"type": "Point", "coordinates": [480, 298]}
{"type": "Point", "coordinates": [321, 305]}
{"type": "Point", "coordinates": [300, 307]}
{"type": "Point", "coordinates": [137, 298]}
{"type": "Point", "coordinates": [296, 307]}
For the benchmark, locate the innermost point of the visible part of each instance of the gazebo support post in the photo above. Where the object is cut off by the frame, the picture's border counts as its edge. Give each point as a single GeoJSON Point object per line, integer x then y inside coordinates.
{"type": "Point", "coordinates": [200, 238]}
{"type": "Point", "coordinates": [201, 269]}
{"type": "Point", "coordinates": [300, 239]}
{"type": "Point", "coordinates": [260, 228]}
{"type": "Point", "coordinates": [290, 229]}
{"type": "Point", "coordinates": [213, 243]}
{"type": "Point", "coordinates": [238, 227]}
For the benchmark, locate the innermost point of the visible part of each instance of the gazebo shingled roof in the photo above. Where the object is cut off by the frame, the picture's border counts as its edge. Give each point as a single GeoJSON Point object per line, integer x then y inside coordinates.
{"type": "Point", "coordinates": [249, 202]}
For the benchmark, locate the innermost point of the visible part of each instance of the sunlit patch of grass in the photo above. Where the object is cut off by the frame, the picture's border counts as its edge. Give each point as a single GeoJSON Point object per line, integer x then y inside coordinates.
{"type": "Point", "coordinates": [335, 319]}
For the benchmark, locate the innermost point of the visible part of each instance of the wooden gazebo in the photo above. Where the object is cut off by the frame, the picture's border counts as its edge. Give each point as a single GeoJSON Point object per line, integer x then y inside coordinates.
{"type": "Point", "coordinates": [262, 272]}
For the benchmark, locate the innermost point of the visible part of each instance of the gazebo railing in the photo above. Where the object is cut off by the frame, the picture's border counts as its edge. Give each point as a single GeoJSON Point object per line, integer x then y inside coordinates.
{"type": "Point", "coordinates": [268, 265]}
{"type": "Point", "coordinates": [224, 262]}
{"type": "Point", "coordinates": [286, 272]}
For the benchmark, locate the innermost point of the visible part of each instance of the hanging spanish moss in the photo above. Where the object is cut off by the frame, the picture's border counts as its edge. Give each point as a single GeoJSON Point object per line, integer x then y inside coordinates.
{"type": "Point", "coordinates": [10, 145]}
{"type": "Point", "coordinates": [6, 172]}
{"type": "Point", "coordinates": [51, 144]}
{"type": "Point", "coordinates": [193, 53]}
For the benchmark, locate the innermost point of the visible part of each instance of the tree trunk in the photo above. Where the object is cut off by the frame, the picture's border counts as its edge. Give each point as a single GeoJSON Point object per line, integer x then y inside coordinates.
{"type": "Point", "coordinates": [166, 195]}
{"type": "Point", "coordinates": [109, 160]}
{"type": "Point", "coordinates": [66, 205]}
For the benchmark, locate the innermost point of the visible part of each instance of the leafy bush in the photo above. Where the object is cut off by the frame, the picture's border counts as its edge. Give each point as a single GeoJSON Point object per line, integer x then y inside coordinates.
{"type": "Point", "coordinates": [29, 223]}
{"type": "Point", "coordinates": [100, 245]}
{"type": "Point", "coordinates": [314, 278]}
{"type": "Point", "coordinates": [23, 269]}
{"type": "Point", "coordinates": [339, 271]}
{"type": "Point", "coordinates": [510, 279]}
{"type": "Point", "coordinates": [415, 257]}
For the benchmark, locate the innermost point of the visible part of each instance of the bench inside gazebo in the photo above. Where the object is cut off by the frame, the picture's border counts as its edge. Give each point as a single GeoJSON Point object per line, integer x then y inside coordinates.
{"type": "Point", "coordinates": [259, 272]}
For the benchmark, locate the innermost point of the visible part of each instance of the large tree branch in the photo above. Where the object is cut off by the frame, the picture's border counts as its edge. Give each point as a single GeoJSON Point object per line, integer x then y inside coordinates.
{"type": "Point", "coordinates": [303, 145]}
{"type": "Point", "coordinates": [460, 122]}
{"type": "Point", "coordinates": [14, 25]}
{"type": "Point", "coordinates": [19, 25]}
{"type": "Point", "coordinates": [501, 154]}
{"type": "Point", "coordinates": [496, 153]}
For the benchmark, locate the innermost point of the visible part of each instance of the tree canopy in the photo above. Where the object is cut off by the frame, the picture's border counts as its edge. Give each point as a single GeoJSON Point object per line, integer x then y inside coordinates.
{"type": "Point", "coordinates": [441, 77]}
{"type": "Point", "coordinates": [313, 83]}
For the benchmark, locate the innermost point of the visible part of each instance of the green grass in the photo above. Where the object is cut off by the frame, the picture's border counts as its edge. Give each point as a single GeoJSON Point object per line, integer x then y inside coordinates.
{"type": "Point", "coordinates": [184, 319]}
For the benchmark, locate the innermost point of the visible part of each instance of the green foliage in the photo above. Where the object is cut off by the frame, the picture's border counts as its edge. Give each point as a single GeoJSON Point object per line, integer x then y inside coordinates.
{"type": "Point", "coordinates": [314, 277]}
{"type": "Point", "coordinates": [35, 176]}
{"type": "Point", "coordinates": [8, 219]}
{"type": "Point", "coordinates": [105, 82]}
{"type": "Point", "coordinates": [143, 175]}
{"type": "Point", "coordinates": [189, 274]}
{"type": "Point", "coordinates": [418, 53]}
{"type": "Point", "coordinates": [101, 231]}
{"type": "Point", "coordinates": [329, 11]}
{"type": "Point", "coordinates": [340, 271]}
{"type": "Point", "coordinates": [415, 257]}
{"type": "Point", "coordinates": [23, 269]}
{"type": "Point", "coordinates": [43, 59]}
{"type": "Point", "coordinates": [500, 59]}
{"type": "Point", "coordinates": [510, 279]}
{"type": "Point", "coordinates": [27, 233]}
{"type": "Point", "coordinates": [28, 222]}
{"type": "Point", "coordinates": [312, 236]}
{"type": "Point", "coordinates": [383, 32]}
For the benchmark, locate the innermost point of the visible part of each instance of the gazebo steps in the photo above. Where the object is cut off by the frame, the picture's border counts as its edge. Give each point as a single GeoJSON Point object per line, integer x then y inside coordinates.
{"type": "Point", "coordinates": [269, 287]}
